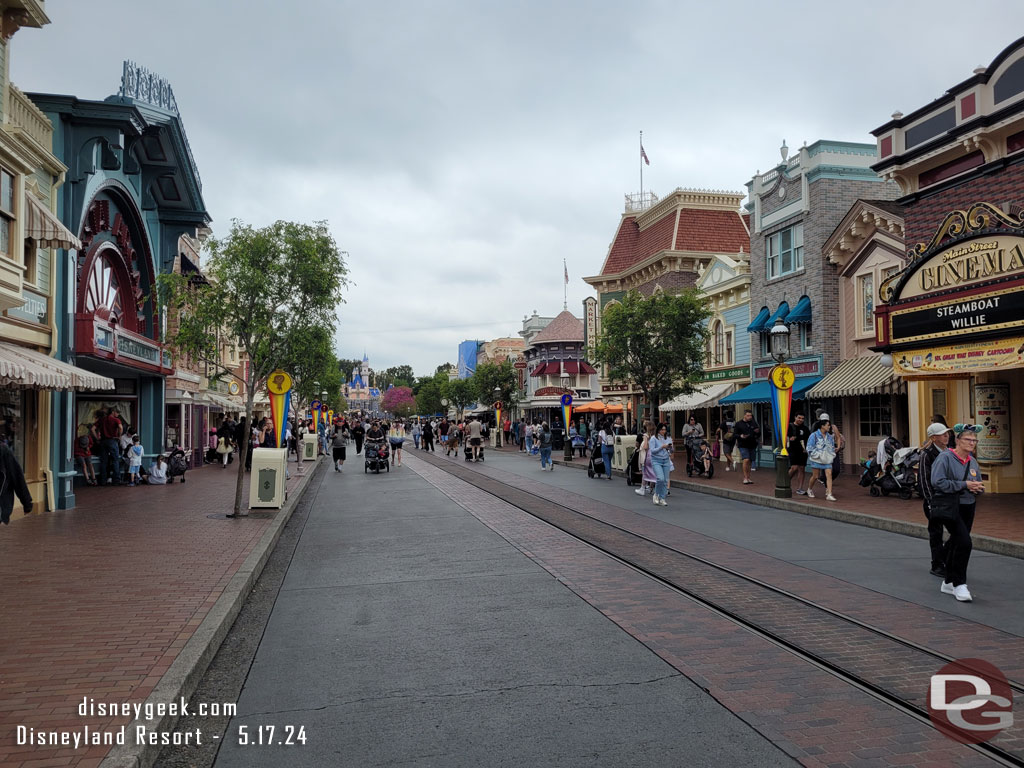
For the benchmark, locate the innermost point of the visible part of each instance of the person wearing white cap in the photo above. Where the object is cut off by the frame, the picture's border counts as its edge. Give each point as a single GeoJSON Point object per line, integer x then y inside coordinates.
{"type": "Point", "coordinates": [821, 452]}
{"type": "Point", "coordinates": [938, 440]}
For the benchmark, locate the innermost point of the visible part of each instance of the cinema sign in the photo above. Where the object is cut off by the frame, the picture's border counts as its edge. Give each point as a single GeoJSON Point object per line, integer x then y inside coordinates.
{"type": "Point", "coordinates": [988, 258]}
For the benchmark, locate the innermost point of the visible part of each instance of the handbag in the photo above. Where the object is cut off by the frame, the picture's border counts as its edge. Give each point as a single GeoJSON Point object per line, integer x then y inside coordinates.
{"type": "Point", "coordinates": [946, 506]}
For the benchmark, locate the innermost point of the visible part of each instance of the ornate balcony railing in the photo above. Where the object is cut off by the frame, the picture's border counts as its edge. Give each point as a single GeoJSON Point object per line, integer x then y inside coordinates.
{"type": "Point", "coordinates": [23, 114]}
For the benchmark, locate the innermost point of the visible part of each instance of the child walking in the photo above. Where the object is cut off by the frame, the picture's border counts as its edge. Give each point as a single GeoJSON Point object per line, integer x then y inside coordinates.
{"type": "Point", "coordinates": [135, 460]}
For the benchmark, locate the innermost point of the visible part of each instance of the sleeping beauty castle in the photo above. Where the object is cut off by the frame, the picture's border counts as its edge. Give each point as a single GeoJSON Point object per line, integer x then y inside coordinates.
{"type": "Point", "coordinates": [360, 392]}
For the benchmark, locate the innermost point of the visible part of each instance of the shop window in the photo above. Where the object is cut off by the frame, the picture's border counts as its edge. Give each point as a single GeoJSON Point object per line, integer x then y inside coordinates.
{"type": "Point", "coordinates": [6, 212]}
{"type": "Point", "coordinates": [866, 300]}
{"type": "Point", "coordinates": [766, 349]}
{"type": "Point", "coordinates": [875, 416]}
{"type": "Point", "coordinates": [784, 251]}
{"type": "Point", "coordinates": [805, 337]}
{"type": "Point", "coordinates": [719, 335]}
{"type": "Point", "coordinates": [30, 262]}
{"type": "Point", "coordinates": [12, 421]}
{"type": "Point", "coordinates": [728, 348]}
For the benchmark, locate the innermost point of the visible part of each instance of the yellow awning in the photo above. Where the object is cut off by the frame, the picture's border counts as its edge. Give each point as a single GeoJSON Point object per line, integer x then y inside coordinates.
{"type": "Point", "coordinates": [857, 376]}
{"type": "Point", "coordinates": [23, 367]}
{"type": "Point", "coordinates": [45, 228]}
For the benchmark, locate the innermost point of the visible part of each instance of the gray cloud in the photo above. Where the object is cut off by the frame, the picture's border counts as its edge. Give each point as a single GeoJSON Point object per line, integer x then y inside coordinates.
{"type": "Point", "coordinates": [461, 150]}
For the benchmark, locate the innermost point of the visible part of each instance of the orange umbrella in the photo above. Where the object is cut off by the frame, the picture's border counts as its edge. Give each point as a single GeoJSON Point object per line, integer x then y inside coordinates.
{"type": "Point", "coordinates": [592, 407]}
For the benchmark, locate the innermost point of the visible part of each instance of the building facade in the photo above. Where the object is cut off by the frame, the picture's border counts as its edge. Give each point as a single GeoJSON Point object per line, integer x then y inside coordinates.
{"type": "Point", "coordinates": [132, 191]}
{"type": "Point", "coordinates": [662, 245]}
{"type": "Point", "coordinates": [556, 364]}
{"type": "Point", "coordinates": [953, 319]}
{"type": "Point", "coordinates": [867, 249]}
{"type": "Point", "coordinates": [793, 209]}
{"type": "Point", "coordinates": [32, 242]}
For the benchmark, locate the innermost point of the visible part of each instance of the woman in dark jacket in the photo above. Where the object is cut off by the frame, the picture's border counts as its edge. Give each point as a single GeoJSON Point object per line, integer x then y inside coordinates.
{"type": "Point", "coordinates": [12, 483]}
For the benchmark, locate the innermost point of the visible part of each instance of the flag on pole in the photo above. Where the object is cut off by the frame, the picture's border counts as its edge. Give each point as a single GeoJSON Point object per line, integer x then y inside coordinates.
{"type": "Point", "coordinates": [566, 268]}
{"type": "Point", "coordinates": [644, 155]}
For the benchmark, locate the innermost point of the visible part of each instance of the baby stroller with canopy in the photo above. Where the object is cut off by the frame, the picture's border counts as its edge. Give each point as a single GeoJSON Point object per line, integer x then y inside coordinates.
{"type": "Point", "coordinates": [694, 462]}
{"type": "Point", "coordinates": [177, 464]}
{"type": "Point", "coordinates": [596, 465]}
{"type": "Point", "coordinates": [634, 472]}
{"type": "Point", "coordinates": [376, 456]}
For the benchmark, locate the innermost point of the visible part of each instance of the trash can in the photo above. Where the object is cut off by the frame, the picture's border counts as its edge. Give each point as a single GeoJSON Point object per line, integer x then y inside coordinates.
{"type": "Point", "coordinates": [624, 446]}
{"type": "Point", "coordinates": [309, 441]}
{"type": "Point", "coordinates": [266, 486]}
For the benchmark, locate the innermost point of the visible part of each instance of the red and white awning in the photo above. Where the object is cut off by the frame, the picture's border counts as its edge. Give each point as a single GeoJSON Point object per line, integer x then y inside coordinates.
{"type": "Point", "coordinates": [45, 228]}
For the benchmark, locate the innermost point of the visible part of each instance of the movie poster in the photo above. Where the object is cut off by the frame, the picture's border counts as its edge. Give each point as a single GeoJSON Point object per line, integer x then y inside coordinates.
{"type": "Point", "coordinates": [992, 412]}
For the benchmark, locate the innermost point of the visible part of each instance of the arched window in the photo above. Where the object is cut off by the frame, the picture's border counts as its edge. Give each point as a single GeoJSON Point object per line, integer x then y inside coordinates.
{"type": "Point", "coordinates": [719, 336]}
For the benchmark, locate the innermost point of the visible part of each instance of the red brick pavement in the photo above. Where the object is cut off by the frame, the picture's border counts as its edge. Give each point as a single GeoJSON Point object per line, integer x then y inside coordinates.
{"type": "Point", "coordinates": [807, 712]}
{"type": "Point", "coordinates": [98, 601]}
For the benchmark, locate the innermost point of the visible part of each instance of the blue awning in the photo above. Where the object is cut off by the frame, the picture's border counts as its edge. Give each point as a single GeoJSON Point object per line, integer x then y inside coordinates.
{"type": "Point", "coordinates": [780, 314]}
{"type": "Point", "coordinates": [801, 312]}
{"type": "Point", "coordinates": [761, 391]}
{"type": "Point", "coordinates": [758, 325]}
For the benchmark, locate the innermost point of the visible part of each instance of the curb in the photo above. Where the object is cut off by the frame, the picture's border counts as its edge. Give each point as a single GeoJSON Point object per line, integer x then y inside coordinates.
{"type": "Point", "coordinates": [917, 530]}
{"type": "Point", "coordinates": [182, 678]}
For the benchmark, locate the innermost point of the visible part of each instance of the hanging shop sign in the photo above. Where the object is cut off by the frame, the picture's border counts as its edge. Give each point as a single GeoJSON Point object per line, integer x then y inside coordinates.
{"type": "Point", "coordinates": [969, 357]}
{"type": "Point", "coordinates": [740, 372]}
{"type": "Point", "coordinates": [985, 312]}
{"type": "Point", "coordinates": [805, 367]}
{"type": "Point", "coordinates": [992, 412]}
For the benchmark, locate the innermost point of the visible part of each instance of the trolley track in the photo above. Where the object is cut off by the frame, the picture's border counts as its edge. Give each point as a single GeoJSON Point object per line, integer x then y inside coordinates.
{"type": "Point", "coordinates": [892, 668]}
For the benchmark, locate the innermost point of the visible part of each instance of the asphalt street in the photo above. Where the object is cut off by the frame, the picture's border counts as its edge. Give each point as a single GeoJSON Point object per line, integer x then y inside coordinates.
{"type": "Point", "coordinates": [406, 632]}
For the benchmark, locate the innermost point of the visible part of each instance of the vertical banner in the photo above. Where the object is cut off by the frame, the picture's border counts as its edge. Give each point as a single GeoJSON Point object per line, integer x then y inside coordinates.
{"type": "Point", "coordinates": [314, 406]}
{"type": "Point", "coordinates": [992, 411]}
{"type": "Point", "coordinates": [330, 418]}
{"type": "Point", "coordinates": [566, 413]}
{"type": "Point", "coordinates": [279, 388]}
{"type": "Point", "coordinates": [782, 378]}
{"type": "Point", "coordinates": [497, 416]}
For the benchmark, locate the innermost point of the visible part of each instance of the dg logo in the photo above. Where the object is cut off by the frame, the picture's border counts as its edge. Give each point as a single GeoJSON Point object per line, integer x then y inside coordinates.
{"type": "Point", "coordinates": [970, 701]}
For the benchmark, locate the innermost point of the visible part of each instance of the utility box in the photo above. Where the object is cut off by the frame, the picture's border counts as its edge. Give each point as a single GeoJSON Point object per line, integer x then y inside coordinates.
{"type": "Point", "coordinates": [309, 442]}
{"type": "Point", "coordinates": [624, 446]}
{"type": "Point", "coordinates": [266, 486]}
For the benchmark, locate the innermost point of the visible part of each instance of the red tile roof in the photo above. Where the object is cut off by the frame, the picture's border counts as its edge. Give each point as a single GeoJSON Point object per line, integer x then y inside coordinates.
{"type": "Point", "coordinates": [699, 230]}
{"type": "Point", "coordinates": [565, 327]}
{"type": "Point", "coordinates": [715, 231]}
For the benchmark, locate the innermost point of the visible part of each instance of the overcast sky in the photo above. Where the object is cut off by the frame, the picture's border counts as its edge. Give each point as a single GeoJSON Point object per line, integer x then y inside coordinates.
{"type": "Point", "coordinates": [461, 150]}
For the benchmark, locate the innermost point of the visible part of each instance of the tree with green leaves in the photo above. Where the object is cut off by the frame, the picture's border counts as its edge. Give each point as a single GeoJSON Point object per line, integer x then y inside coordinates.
{"type": "Point", "coordinates": [460, 393]}
{"type": "Point", "coordinates": [312, 365]}
{"type": "Point", "coordinates": [397, 375]}
{"type": "Point", "coordinates": [267, 288]}
{"type": "Point", "coordinates": [502, 377]}
{"type": "Point", "coordinates": [428, 398]}
{"type": "Point", "coordinates": [656, 342]}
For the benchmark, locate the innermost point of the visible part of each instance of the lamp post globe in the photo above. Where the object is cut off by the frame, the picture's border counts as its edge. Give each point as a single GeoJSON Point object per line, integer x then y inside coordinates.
{"type": "Point", "coordinates": [780, 342]}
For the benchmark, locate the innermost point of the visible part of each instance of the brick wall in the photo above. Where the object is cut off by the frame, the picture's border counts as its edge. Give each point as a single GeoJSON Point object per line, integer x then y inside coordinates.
{"type": "Point", "coordinates": [924, 215]}
{"type": "Point", "coordinates": [830, 200]}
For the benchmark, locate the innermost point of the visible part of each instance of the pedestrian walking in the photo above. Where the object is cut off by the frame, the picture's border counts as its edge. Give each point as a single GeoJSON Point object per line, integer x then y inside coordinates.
{"type": "Point", "coordinates": [339, 440]}
{"type": "Point", "coordinates": [358, 433]}
{"type": "Point", "coordinates": [428, 437]}
{"type": "Point", "coordinates": [661, 461]}
{"type": "Point", "coordinates": [728, 438]}
{"type": "Point", "coordinates": [396, 440]}
{"type": "Point", "coordinates": [647, 477]}
{"type": "Point", "coordinates": [607, 439]}
{"type": "Point", "coordinates": [956, 484]}
{"type": "Point", "coordinates": [938, 441]}
{"type": "Point", "coordinates": [475, 429]}
{"type": "Point", "coordinates": [12, 483]}
{"type": "Point", "coordinates": [821, 452]}
{"type": "Point", "coordinates": [507, 429]}
{"type": "Point", "coordinates": [796, 445]}
{"type": "Point", "coordinates": [527, 437]}
{"type": "Point", "coordinates": [544, 439]}
{"type": "Point", "coordinates": [748, 435]}
{"type": "Point", "coordinates": [416, 432]}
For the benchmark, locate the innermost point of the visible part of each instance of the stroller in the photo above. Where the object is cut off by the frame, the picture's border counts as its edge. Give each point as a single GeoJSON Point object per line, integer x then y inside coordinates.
{"type": "Point", "coordinates": [177, 464]}
{"type": "Point", "coordinates": [467, 450]}
{"type": "Point", "coordinates": [634, 472]}
{"type": "Point", "coordinates": [694, 463]}
{"type": "Point", "coordinates": [897, 477]}
{"type": "Point", "coordinates": [376, 455]}
{"type": "Point", "coordinates": [596, 465]}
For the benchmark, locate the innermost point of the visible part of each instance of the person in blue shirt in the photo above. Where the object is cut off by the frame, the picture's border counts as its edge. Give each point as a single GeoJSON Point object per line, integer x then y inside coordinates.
{"type": "Point", "coordinates": [660, 447]}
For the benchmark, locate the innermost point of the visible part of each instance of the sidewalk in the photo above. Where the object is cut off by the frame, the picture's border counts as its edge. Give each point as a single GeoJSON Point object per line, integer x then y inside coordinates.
{"type": "Point", "coordinates": [100, 601]}
{"type": "Point", "coordinates": [998, 527]}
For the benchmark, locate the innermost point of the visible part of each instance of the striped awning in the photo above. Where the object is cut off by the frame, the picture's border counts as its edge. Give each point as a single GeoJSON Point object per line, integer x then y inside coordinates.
{"type": "Point", "coordinates": [857, 376]}
{"type": "Point", "coordinates": [704, 397]}
{"type": "Point", "coordinates": [215, 402]}
{"type": "Point", "coordinates": [28, 369]}
{"type": "Point", "coordinates": [45, 228]}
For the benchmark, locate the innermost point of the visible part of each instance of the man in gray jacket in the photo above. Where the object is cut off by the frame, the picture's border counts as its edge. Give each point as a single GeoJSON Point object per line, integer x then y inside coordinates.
{"type": "Point", "coordinates": [938, 441]}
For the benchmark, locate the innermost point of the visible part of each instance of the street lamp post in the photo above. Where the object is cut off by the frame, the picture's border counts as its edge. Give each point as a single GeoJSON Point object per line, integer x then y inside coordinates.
{"type": "Point", "coordinates": [783, 380]}
{"type": "Point", "coordinates": [567, 452]}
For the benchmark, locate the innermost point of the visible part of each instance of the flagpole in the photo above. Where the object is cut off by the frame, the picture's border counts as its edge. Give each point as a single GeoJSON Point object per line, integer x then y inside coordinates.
{"type": "Point", "coordinates": [565, 286]}
{"type": "Point", "coordinates": [641, 167]}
